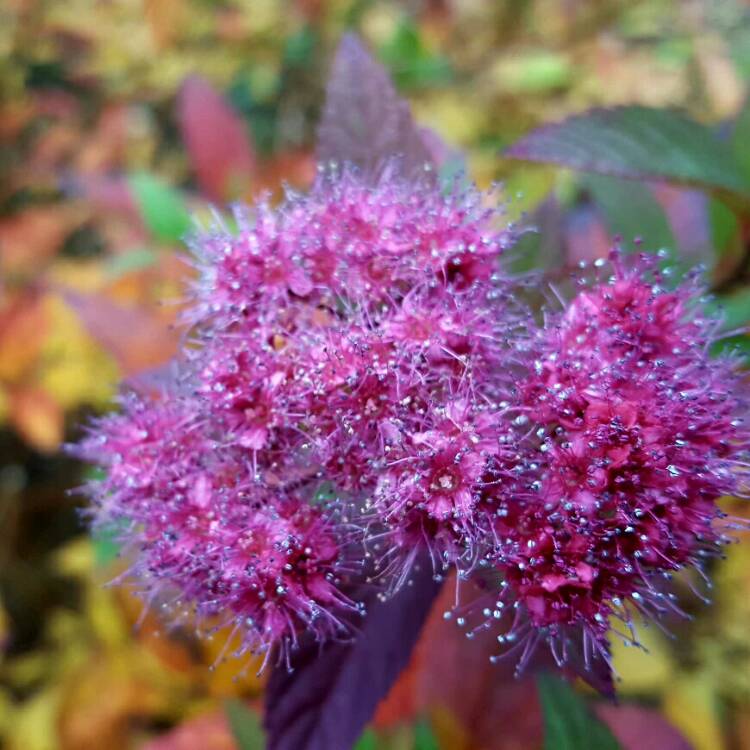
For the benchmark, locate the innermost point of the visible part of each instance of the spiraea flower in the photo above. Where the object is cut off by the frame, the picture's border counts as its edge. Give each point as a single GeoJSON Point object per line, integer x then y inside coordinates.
{"type": "Point", "coordinates": [638, 432]}
{"type": "Point", "coordinates": [355, 343]}
{"type": "Point", "coordinates": [209, 542]}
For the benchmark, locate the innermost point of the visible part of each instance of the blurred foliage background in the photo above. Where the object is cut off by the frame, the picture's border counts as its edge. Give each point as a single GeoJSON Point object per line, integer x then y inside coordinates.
{"type": "Point", "coordinates": [121, 118]}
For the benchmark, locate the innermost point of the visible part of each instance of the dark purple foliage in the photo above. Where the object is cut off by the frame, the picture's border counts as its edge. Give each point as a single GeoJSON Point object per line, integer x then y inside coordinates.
{"type": "Point", "coordinates": [364, 121]}
{"type": "Point", "coordinates": [325, 703]}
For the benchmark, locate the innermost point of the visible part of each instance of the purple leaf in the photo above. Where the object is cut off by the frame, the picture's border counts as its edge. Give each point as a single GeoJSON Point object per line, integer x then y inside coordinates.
{"type": "Point", "coordinates": [638, 143]}
{"type": "Point", "coordinates": [325, 703]}
{"type": "Point", "coordinates": [364, 121]}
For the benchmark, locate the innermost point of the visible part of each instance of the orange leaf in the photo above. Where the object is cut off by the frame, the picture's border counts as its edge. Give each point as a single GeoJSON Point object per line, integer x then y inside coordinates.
{"type": "Point", "coordinates": [32, 237]}
{"type": "Point", "coordinates": [164, 19]}
{"type": "Point", "coordinates": [208, 732]}
{"type": "Point", "coordinates": [135, 338]}
{"type": "Point", "coordinates": [23, 329]}
{"type": "Point", "coordinates": [38, 418]}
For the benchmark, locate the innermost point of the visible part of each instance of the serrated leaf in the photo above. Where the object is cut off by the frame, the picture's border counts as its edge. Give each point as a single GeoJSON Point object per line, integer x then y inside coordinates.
{"type": "Point", "coordinates": [245, 725]}
{"type": "Point", "coordinates": [631, 211]}
{"type": "Point", "coordinates": [161, 208]}
{"type": "Point", "coordinates": [638, 143]}
{"type": "Point", "coordinates": [568, 723]}
{"type": "Point", "coordinates": [326, 701]}
{"type": "Point", "coordinates": [364, 121]}
{"type": "Point", "coordinates": [217, 140]}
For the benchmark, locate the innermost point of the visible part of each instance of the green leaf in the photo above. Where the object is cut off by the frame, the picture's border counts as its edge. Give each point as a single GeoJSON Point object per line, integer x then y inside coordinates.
{"type": "Point", "coordinates": [638, 143]}
{"type": "Point", "coordinates": [106, 543]}
{"type": "Point", "coordinates": [734, 308]}
{"type": "Point", "coordinates": [739, 345]}
{"type": "Point", "coordinates": [132, 260]}
{"type": "Point", "coordinates": [161, 207]}
{"type": "Point", "coordinates": [630, 210]}
{"type": "Point", "coordinates": [300, 47]}
{"type": "Point", "coordinates": [739, 47]}
{"type": "Point", "coordinates": [368, 741]}
{"type": "Point", "coordinates": [535, 72]}
{"type": "Point", "coordinates": [741, 140]}
{"type": "Point", "coordinates": [411, 63]}
{"type": "Point", "coordinates": [424, 739]}
{"type": "Point", "coordinates": [726, 238]}
{"type": "Point", "coordinates": [540, 247]}
{"type": "Point", "coordinates": [724, 226]}
{"type": "Point", "coordinates": [245, 726]}
{"type": "Point", "coordinates": [568, 723]}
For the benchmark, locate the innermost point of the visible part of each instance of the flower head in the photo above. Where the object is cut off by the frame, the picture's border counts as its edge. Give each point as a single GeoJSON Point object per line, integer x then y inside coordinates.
{"type": "Point", "coordinates": [638, 433]}
{"type": "Point", "coordinates": [351, 343]}
{"type": "Point", "coordinates": [207, 535]}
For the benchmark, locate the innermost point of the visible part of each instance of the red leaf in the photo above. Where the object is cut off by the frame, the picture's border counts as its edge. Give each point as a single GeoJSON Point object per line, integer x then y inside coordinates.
{"type": "Point", "coordinates": [638, 728]}
{"type": "Point", "coordinates": [217, 140]}
{"type": "Point", "coordinates": [495, 709]}
{"type": "Point", "coordinates": [31, 238]}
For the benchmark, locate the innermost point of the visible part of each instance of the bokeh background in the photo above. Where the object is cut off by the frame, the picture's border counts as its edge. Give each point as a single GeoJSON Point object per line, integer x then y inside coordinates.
{"type": "Point", "coordinates": [121, 118]}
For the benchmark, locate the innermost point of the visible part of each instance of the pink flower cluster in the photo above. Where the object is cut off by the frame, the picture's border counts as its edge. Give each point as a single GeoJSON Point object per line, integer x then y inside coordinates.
{"type": "Point", "coordinates": [637, 433]}
{"type": "Point", "coordinates": [363, 382]}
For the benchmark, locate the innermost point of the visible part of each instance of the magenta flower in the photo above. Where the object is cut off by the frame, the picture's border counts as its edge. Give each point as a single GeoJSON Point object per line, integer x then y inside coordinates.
{"type": "Point", "coordinates": [379, 379]}
{"type": "Point", "coordinates": [207, 538]}
{"type": "Point", "coordinates": [638, 433]}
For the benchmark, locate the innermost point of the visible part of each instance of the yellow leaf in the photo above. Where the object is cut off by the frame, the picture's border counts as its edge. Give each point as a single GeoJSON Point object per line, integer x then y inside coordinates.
{"type": "Point", "coordinates": [34, 724]}
{"type": "Point", "coordinates": [74, 369]}
{"type": "Point", "coordinates": [76, 558]}
{"type": "Point", "coordinates": [690, 704]}
{"type": "Point", "coordinates": [526, 189]}
{"type": "Point", "coordinates": [228, 676]}
{"type": "Point", "coordinates": [642, 671]}
{"type": "Point", "coordinates": [4, 407]}
{"type": "Point", "coordinates": [6, 712]}
{"type": "Point", "coordinates": [448, 730]}
{"type": "Point", "coordinates": [459, 121]}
